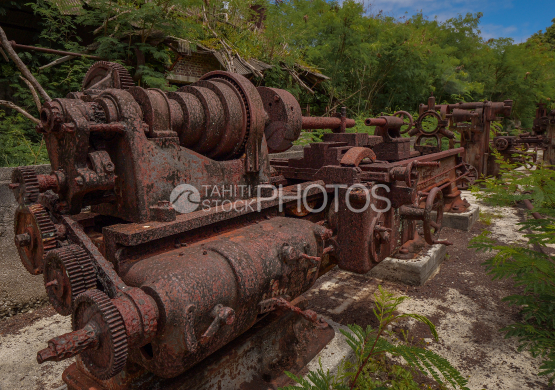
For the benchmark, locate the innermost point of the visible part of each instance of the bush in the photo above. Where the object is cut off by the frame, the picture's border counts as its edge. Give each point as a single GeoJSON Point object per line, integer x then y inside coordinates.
{"type": "Point", "coordinates": [371, 346]}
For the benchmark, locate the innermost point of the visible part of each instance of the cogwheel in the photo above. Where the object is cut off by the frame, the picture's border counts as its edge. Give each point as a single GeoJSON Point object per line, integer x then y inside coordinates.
{"type": "Point", "coordinates": [501, 144]}
{"type": "Point", "coordinates": [68, 272]}
{"type": "Point", "coordinates": [103, 75]}
{"type": "Point", "coordinates": [110, 355]}
{"type": "Point", "coordinates": [35, 235]}
{"type": "Point", "coordinates": [25, 185]}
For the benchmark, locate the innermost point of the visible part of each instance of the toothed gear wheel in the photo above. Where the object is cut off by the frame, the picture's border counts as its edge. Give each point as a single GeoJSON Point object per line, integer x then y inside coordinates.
{"type": "Point", "coordinates": [26, 185]}
{"type": "Point", "coordinates": [68, 272]}
{"type": "Point", "coordinates": [109, 356]}
{"type": "Point", "coordinates": [103, 75]}
{"type": "Point", "coordinates": [35, 236]}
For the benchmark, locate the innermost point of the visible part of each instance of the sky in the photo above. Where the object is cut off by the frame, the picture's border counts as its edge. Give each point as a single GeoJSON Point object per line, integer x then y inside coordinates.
{"type": "Point", "coordinates": [515, 19]}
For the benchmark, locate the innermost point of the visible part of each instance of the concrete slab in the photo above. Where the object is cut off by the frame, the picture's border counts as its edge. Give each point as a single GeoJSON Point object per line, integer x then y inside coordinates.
{"type": "Point", "coordinates": [333, 355]}
{"type": "Point", "coordinates": [461, 221]}
{"type": "Point", "coordinates": [413, 272]}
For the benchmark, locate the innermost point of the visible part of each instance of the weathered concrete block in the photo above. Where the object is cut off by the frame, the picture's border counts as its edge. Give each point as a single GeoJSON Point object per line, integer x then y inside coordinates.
{"type": "Point", "coordinates": [19, 291]}
{"type": "Point", "coordinates": [414, 272]}
{"type": "Point", "coordinates": [461, 221]}
{"type": "Point", "coordinates": [333, 355]}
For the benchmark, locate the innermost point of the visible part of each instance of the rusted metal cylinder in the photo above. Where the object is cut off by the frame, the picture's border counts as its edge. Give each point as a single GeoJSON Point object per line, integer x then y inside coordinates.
{"type": "Point", "coordinates": [375, 122]}
{"type": "Point", "coordinates": [316, 122]}
{"type": "Point", "coordinates": [233, 274]}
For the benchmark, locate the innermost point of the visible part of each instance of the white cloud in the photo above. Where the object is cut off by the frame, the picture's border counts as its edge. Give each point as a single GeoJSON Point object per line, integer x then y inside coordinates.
{"type": "Point", "coordinates": [443, 10]}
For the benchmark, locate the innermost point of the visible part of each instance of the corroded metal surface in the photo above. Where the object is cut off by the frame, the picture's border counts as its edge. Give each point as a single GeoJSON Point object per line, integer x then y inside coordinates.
{"type": "Point", "coordinates": [472, 120]}
{"type": "Point", "coordinates": [154, 289]}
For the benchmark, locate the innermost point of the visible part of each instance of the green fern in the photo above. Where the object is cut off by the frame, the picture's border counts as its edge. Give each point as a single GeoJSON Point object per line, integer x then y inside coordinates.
{"type": "Point", "coordinates": [369, 344]}
{"type": "Point", "coordinates": [531, 267]}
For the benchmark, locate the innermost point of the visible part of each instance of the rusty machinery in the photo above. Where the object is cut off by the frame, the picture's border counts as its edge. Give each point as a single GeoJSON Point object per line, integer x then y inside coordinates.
{"type": "Point", "coordinates": [152, 291]}
{"type": "Point", "coordinates": [544, 126]}
{"type": "Point", "coordinates": [471, 120]}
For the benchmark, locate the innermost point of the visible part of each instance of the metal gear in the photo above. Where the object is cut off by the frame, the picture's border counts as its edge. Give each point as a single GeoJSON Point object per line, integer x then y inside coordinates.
{"type": "Point", "coordinates": [469, 179]}
{"type": "Point", "coordinates": [501, 144]}
{"type": "Point", "coordinates": [68, 272]}
{"type": "Point", "coordinates": [109, 356]}
{"type": "Point", "coordinates": [103, 75]}
{"type": "Point", "coordinates": [35, 235]}
{"type": "Point", "coordinates": [25, 185]}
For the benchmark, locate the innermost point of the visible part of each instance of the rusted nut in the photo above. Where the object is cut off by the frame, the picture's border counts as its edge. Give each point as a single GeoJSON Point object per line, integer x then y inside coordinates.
{"type": "Point", "coordinates": [79, 181]}
{"type": "Point", "coordinates": [23, 240]}
{"type": "Point", "coordinates": [109, 166]}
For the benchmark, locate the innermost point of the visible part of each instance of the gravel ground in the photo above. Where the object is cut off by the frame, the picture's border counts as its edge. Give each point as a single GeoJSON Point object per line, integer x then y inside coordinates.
{"type": "Point", "coordinates": [461, 299]}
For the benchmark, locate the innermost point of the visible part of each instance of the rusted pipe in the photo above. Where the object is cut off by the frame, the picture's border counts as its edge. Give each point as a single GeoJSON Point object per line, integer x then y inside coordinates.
{"type": "Point", "coordinates": [53, 51]}
{"type": "Point", "coordinates": [315, 122]}
{"type": "Point", "coordinates": [375, 122]}
{"type": "Point", "coordinates": [530, 207]}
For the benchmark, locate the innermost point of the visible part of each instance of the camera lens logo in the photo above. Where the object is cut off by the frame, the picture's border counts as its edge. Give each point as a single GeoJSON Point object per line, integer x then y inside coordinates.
{"type": "Point", "coordinates": [185, 198]}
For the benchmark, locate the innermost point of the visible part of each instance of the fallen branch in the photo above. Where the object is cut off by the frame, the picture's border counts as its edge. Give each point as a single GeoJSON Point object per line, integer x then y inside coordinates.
{"type": "Point", "coordinates": [98, 29]}
{"type": "Point", "coordinates": [342, 101]}
{"type": "Point", "coordinates": [297, 79]}
{"type": "Point", "coordinates": [33, 92]}
{"type": "Point", "coordinates": [21, 66]}
{"type": "Point", "coordinates": [57, 62]}
{"type": "Point", "coordinates": [9, 104]}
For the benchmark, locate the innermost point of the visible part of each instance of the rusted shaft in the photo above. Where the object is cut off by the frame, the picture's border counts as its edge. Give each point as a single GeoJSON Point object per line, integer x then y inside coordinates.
{"type": "Point", "coordinates": [68, 345]}
{"type": "Point", "coordinates": [53, 51]}
{"type": "Point", "coordinates": [530, 207]}
{"type": "Point", "coordinates": [375, 122]}
{"type": "Point", "coordinates": [318, 122]}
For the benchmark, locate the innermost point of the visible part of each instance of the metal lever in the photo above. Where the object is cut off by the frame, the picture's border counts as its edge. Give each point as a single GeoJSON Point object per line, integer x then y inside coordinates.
{"type": "Point", "coordinates": [222, 316]}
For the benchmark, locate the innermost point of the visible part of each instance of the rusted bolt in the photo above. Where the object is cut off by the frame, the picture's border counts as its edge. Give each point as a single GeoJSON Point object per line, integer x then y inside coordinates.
{"type": "Point", "coordinates": [51, 283]}
{"type": "Point", "coordinates": [288, 253]}
{"type": "Point", "coordinates": [23, 240]}
{"type": "Point", "coordinates": [204, 252]}
{"type": "Point", "coordinates": [109, 167]}
{"type": "Point", "coordinates": [79, 181]}
{"type": "Point", "coordinates": [403, 251]}
{"type": "Point", "coordinates": [13, 186]}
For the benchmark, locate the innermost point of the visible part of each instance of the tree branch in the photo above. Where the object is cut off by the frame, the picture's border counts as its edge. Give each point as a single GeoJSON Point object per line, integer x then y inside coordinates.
{"type": "Point", "coordinates": [33, 92]}
{"type": "Point", "coordinates": [21, 66]}
{"type": "Point", "coordinates": [9, 104]}
{"type": "Point", "coordinates": [57, 62]}
{"type": "Point", "coordinates": [4, 55]}
{"type": "Point", "coordinates": [98, 29]}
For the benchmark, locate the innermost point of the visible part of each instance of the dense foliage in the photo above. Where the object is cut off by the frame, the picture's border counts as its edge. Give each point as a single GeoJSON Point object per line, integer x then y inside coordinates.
{"type": "Point", "coordinates": [376, 63]}
{"type": "Point", "coordinates": [530, 266]}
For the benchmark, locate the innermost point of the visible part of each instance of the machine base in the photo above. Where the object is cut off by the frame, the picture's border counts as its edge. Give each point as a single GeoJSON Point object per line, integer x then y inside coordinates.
{"type": "Point", "coordinates": [461, 221]}
{"type": "Point", "coordinates": [414, 272]}
{"type": "Point", "coordinates": [255, 360]}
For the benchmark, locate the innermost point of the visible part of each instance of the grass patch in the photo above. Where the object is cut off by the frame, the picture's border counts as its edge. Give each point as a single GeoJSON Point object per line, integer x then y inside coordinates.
{"type": "Point", "coordinates": [487, 218]}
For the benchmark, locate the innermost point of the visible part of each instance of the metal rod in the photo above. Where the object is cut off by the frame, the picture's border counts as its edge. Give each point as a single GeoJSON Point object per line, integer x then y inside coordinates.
{"type": "Point", "coordinates": [318, 122]}
{"type": "Point", "coordinates": [53, 51]}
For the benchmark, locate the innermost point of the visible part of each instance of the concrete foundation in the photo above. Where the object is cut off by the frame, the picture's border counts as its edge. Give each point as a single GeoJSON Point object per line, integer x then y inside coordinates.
{"type": "Point", "coordinates": [460, 221]}
{"type": "Point", "coordinates": [19, 291]}
{"type": "Point", "coordinates": [337, 351]}
{"type": "Point", "coordinates": [413, 272]}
